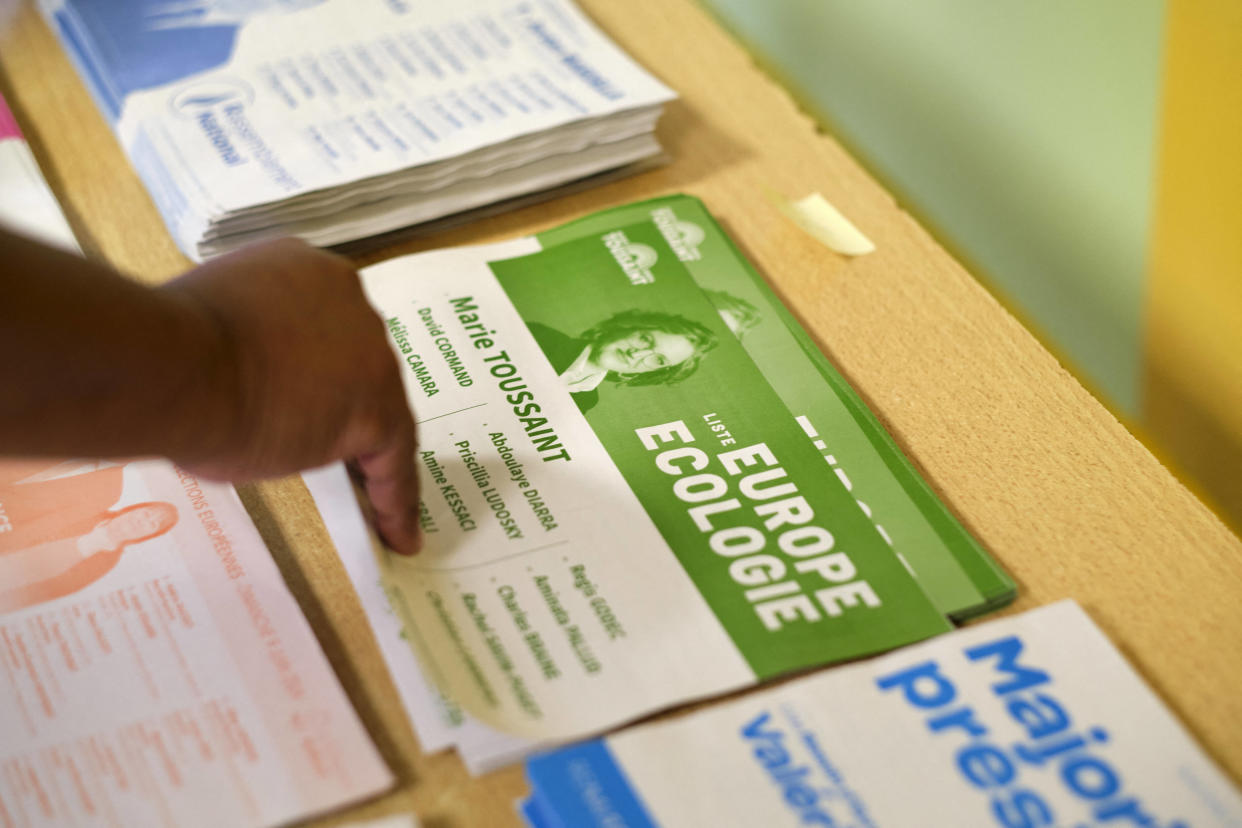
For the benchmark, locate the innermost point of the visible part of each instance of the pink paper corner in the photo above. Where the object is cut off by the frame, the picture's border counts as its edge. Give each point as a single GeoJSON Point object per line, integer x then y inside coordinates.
{"type": "Point", "coordinates": [8, 124]}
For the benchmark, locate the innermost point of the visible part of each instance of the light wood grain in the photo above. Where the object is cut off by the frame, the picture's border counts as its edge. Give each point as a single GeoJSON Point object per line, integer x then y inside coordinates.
{"type": "Point", "coordinates": [1067, 500]}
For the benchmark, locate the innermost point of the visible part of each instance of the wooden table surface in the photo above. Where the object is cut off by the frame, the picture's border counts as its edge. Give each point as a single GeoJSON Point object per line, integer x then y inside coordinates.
{"type": "Point", "coordinates": [1065, 498]}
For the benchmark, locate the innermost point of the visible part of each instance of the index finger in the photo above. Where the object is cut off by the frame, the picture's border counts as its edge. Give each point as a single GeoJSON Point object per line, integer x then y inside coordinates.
{"type": "Point", "coordinates": [391, 483]}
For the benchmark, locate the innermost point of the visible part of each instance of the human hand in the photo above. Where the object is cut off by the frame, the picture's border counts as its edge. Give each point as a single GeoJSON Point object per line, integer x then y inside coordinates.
{"type": "Point", "coordinates": [300, 375]}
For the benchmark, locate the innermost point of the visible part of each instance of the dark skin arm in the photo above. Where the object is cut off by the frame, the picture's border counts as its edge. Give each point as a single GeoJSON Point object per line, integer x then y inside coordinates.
{"type": "Point", "coordinates": [257, 364]}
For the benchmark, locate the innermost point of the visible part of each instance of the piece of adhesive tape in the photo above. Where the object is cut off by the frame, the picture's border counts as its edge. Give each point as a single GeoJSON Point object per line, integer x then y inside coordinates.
{"type": "Point", "coordinates": [821, 220]}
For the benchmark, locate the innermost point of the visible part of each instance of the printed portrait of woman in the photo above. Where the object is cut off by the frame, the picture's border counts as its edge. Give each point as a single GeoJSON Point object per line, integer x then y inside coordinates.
{"type": "Point", "coordinates": [739, 315]}
{"type": "Point", "coordinates": [634, 347]}
{"type": "Point", "coordinates": [59, 534]}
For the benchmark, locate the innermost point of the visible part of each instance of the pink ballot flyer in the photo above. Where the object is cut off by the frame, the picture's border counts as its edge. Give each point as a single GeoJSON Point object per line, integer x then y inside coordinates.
{"type": "Point", "coordinates": [154, 668]}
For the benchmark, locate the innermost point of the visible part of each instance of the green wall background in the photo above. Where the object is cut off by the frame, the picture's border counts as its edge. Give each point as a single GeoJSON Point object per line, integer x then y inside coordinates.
{"type": "Point", "coordinates": [1022, 133]}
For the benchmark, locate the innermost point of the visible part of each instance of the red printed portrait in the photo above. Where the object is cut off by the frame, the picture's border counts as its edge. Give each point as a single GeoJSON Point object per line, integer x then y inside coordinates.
{"type": "Point", "coordinates": [61, 530]}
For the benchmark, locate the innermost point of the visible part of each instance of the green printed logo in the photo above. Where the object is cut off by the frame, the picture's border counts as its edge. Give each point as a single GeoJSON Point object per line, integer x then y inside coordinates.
{"type": "Point", "coordinates": [636, 260]}
{"type": "Point", "coordinates": [684, 237]}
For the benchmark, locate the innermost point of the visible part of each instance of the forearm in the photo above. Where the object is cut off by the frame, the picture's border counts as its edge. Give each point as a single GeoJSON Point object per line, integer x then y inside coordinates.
{"type": "Point", "coordinates": [93, 364]}
{"type": "Point", "coordinates": [258, 364]}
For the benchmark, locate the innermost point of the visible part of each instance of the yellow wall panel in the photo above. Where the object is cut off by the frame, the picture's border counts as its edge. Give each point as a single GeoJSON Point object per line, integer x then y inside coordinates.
{"type": "Point", "coordinates": [1193, 349]}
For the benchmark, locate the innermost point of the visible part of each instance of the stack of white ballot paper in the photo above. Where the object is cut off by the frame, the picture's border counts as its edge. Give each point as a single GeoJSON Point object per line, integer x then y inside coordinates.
{"type": "Point", "coordinates": [1032, 721]}
{"type": "Point", "coordinates": [641, 484]}
{"type": "Point", "coordinates": [334, 120]}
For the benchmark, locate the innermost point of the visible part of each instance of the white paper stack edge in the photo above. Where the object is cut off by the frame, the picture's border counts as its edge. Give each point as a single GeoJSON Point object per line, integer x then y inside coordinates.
{"type": "Point", "coordinates": [27, 205]}
{"type": "Point", "coordinates": [334, 121]}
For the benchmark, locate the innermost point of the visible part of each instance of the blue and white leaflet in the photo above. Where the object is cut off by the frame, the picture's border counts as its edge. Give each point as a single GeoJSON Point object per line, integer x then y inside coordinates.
{"type": "Point", "coordinates": [1031, 720]}
{"type": "Point", "coordinates": [338, 119]}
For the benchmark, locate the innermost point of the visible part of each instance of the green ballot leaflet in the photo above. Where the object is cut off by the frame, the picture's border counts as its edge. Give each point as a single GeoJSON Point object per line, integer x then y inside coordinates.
{"type": "Point", "coordinates": [957, 573]}
{"type": "Point", "coordinates": [641, 484]}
